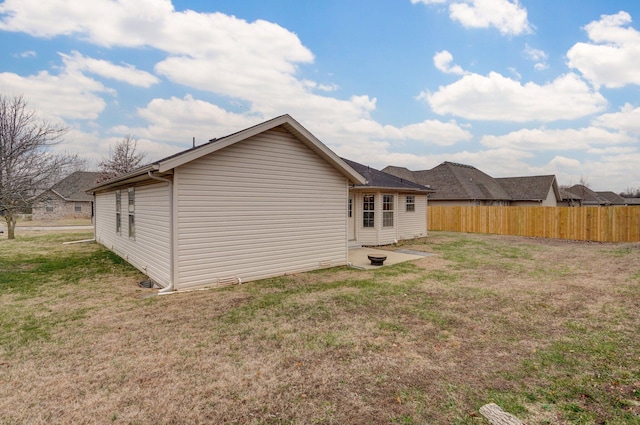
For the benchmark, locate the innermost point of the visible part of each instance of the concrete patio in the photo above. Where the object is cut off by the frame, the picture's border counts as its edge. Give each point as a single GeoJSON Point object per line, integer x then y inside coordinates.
{"type": "Point", "coordinates": [358, 257]}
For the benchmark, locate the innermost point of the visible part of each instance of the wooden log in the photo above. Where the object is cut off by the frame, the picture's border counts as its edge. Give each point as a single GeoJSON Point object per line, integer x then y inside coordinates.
{"type": "Point", "coordinates": [496, 416]}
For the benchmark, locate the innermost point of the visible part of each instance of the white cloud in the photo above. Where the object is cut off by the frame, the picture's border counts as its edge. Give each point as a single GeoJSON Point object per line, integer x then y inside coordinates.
{"type": "Point", "coordinates": [442, 61]}
{"type": "Point", "coordinates": [507, 16]}
{"type": "Point", "coordinates": [498, 98]}
{"type": "Point", "coordinates": [628, 119]}
{"type": "Point", "coordinates": [538, 56]}
{"type": "Point", "coordinates": [543, 139]}
{"type": "Point", "coordinates": [612, 58]}
{"type": "Point", "coordinates": [69, 95]}
{"type": "Point", "coordinates": [127, 73]}
{"type": "Point", "coordinates": [26, 54]}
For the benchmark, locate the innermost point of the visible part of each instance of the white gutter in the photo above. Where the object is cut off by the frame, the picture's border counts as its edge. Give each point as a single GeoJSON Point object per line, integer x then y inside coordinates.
{"type": "Point", "coordinates": [169, 288]}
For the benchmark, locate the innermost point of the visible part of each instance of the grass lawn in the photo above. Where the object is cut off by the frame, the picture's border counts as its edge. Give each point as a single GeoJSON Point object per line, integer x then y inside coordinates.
{"type": "Point", "coordinates": [548, 330]}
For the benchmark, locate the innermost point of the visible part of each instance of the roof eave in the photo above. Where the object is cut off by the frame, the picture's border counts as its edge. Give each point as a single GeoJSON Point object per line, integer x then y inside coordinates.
{"type": "Point", "coordinates": [132, 177]}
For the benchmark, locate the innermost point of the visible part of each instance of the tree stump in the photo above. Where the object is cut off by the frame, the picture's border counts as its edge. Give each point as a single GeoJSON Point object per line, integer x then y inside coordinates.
{"type": "Point", "coordinates": [496, 416]}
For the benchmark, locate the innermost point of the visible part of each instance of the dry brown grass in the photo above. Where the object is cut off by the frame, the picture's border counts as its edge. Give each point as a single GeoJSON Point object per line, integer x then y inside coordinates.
{"type": "Point", "coordinates": [546, 329]}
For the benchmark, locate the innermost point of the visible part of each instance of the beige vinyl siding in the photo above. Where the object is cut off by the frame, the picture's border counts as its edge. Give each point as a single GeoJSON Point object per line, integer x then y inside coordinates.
{"type": "Point", "coordinates": [149, 251]}
{"type": "Point", "coordinates": [412, 224]}
{"type": "Point", "coordinates": [263, 207]}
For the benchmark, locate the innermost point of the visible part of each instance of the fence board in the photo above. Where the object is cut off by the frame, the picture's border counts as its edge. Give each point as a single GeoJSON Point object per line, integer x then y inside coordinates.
{"type": "Point", "coordinates": [601, 224]}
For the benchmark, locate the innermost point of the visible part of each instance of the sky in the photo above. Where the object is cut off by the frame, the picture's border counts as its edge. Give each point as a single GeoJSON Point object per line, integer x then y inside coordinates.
{"type": "Point", "coordinates": [514, 88]}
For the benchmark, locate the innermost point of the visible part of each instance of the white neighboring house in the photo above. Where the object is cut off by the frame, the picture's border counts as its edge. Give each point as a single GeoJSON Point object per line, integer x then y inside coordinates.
{"type": "Point", "coordinates": [266, 201]}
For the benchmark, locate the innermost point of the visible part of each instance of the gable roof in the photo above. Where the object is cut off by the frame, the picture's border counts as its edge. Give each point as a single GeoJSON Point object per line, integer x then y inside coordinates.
{"type": "Point", "coordinates": [453, 181]}
{"type": "Point", "coordinates": [74, 186]}
{"type": "Point", "coordinates": [566, 195]}
{"type": "Point", "coordinates": [612, 197]}
{"type": "Point", "coordinates": [589, 197]}
{"type": "Point", "coordinates": [379, 179]}
{"type": "Point", "coordinates": [285, 121]}
{"type": "Point", "coordinates": [530, 188]}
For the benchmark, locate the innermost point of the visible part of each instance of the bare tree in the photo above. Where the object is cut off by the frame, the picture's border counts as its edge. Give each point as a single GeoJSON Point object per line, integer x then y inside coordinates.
{"type": "Point", "coordinates": [25, 161]}
{"type": "Point", "coordinates": [123, 159]}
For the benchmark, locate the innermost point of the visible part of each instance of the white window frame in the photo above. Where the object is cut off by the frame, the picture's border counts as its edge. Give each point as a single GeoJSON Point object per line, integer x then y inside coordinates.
{"type": "Point", "coordinates": [410, 203]}
{"type": "Point", "coordinates": [131, 198]}
{"type": "Point", "coordinates": [387, 210]}
{"type": "Point", "coordinates": [118, 212]}
{"type": "Point", "coordinates": [369, 210]}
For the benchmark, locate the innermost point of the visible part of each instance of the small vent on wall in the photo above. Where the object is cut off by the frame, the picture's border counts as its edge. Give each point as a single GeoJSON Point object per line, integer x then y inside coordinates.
{"type": "Point", "coordinates": [326, 263]}
{"type": "Point", "coordinates": [226, 281]}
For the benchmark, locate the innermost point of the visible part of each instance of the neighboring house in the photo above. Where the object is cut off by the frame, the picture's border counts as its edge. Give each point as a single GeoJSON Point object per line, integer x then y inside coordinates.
{"type": "Point", "coordinates": [632, 201]}
{"type": "Point", "coordinates": [456, 184]}
{"type": "Point", "coordinates": [532, 190]}
{"type": "Point", "coordinates": [385, 209]}
{"type": "Point", "coordinates": [67, 198]}
{"type": "Point", "coordinates": [612, 197]}
{"type": "Point", "coordinates": [569, 199]}
{"type": "Point", "coordinates": [265, 201]}
{"type": "Point", "coordinates": [588, 196]}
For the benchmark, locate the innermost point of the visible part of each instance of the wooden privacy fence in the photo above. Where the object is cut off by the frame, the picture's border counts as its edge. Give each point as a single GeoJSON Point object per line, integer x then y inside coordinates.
{"type": "Point", "coordinates": [601, 224]}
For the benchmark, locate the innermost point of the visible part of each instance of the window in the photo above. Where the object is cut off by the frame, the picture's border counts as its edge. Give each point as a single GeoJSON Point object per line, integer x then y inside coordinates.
{"type": "Point", "coordinates": [48, 206]}
{"type": "Point", "coordinates": [387, 210]}
{"type": "Point", "coordinates": [132, 212]}
{"type": "Point", "coordinates": [411, 203]}
{"type": "Point", "coordinates": [350, 207]}
{"type": "Point", "coordinates": [78, 207]}
{"type": "Point", "coordinates": [118, 215]}
{"type": "Point", "coordinates": [368, 210]}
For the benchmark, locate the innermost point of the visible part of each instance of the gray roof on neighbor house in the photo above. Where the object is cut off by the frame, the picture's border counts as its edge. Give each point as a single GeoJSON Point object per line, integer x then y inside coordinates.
{"type": "Point", "coordinates": [73, 187]}
{"type": "Point", "coordinates": [452, 181]}
{"type": "Point", "coordinates": [589, 197]}
{"type": "Point", "coordinates": [632, 201]}
{"type": "Point", "coordinates": [566, 195]}
{"type": "Point", "coordinates": [529, 188]}
{"type": "Point", "coordinates": [380, 179]}
{"type": "Point", "coordinates": [613, 198]}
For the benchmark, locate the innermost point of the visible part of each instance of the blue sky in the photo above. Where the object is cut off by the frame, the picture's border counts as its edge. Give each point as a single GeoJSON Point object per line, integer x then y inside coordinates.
{"type": "Point", "coordinates": [511, 87]}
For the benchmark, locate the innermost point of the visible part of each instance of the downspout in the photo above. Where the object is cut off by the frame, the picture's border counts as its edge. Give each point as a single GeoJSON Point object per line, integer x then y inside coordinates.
{"type": "Point", "coordinates": [169, 288]}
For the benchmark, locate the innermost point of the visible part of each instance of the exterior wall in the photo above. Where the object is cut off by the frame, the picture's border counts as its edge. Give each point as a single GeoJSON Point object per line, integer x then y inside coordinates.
{"type": "Point", "coordinates": [550, 201]}
{"type": "Point", "coordinates": [61, 208]}
{"type": "Point", "coordinates": [412, 224]}
{"type": "Point", "coordinates": [149, 250]}
{"type": "Point", "coordinates": [263, 207]}
{"type": "Point", "coordinates": [407, 225]}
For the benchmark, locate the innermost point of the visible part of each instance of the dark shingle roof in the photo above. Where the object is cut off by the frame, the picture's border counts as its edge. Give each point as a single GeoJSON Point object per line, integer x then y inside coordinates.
{"type": "Point", "coordinates": [529, 188]}
{"type": "Point", "coordinates": [589, 197]}
{"type": "Point", "coordinates": [613, 198]}
{"type": "Point", "coordinates": [452, 181]}
{"type": "Point", "coordinates": [566, 195]}
{"type": "Point", "coordinates": [377, 178]}
{"type": "Point", "coordinates": [72, 187]}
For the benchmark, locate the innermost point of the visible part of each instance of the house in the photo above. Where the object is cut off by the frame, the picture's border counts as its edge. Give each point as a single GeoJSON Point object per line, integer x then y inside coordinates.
{"type": "Point", "coordinates": [456, 184]}
{"type": "Point", "coordinates": [531, 190]}
{"type": "Point", "coordinates": [569, 199]}
{"type": "Point", "coordinates": [588, 196]}
{"type": "Point", "coordinates": [612, 197]}
{"type": "Point", "coordinates": [67, 198]}
{"type": "Point", "coordinates": [265, 201]}
{"type": "Point", "coordinates": [385, 209]}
